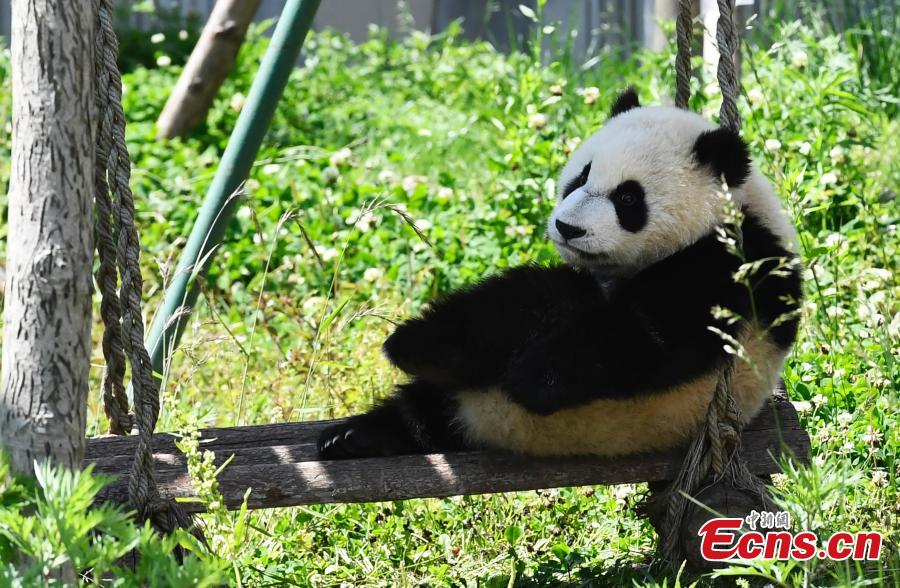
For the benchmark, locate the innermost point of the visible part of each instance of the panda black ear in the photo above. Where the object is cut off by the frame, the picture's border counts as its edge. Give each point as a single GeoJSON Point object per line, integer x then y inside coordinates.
{"type": "Point", "coordinates": [725, 153]}
{"type": "Point", "coordinates": [625, 102]}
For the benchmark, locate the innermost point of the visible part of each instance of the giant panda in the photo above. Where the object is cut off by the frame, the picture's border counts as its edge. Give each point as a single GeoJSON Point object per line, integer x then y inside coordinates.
{"type": "Point", "coordinates": [616, 351]}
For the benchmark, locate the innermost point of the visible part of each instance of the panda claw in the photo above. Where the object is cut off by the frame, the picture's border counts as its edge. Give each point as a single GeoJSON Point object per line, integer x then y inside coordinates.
{"type": "Point", "coordinates": [334, 443]}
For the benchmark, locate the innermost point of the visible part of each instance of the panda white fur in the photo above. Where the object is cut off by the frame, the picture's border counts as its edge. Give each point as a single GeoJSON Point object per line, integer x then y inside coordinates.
{"type": "Point", "coordinates": [613, 352]}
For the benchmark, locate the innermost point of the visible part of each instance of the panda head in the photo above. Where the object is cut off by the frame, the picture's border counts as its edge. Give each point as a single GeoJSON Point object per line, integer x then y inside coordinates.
{"type": "Point", "coordinates": [644, 186]}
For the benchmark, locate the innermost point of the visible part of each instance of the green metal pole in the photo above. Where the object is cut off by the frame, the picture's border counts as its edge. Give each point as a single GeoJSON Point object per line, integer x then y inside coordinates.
{"type": "Point", "coordinates": [219, 205]}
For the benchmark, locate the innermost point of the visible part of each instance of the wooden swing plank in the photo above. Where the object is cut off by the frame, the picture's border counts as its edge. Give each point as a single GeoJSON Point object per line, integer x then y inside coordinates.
{"type": "Point", "coordinates": [279, 463]}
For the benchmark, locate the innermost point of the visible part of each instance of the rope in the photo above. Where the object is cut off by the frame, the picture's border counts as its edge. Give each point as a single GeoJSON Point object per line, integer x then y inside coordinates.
{"type": "Point", "coordinates": [115, 400]}
{"type": "Point", "coordinates": [715, 452]}
{"type": "Point", "coordinates": [119, 249]}
{"type": "Point", "coordinates": [684, 32]}
{"type": "Point", "coordinates": [727, 41]}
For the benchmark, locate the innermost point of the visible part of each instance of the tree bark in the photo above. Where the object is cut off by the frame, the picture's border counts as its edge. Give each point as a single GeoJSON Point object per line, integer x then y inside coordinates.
{"type": "Point", "coordinates": [47, 316]}
{"type": "Point", "coordinates": [207, 68]}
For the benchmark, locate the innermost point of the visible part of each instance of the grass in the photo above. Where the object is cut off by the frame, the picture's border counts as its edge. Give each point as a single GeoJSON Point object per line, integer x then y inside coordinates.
{"type": "Point", "coordinates": [441, 134]}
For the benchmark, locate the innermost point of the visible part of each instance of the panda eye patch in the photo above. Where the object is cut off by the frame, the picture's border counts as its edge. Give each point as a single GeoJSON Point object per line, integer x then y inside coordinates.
{"type": "Point", "coordinates": [628, 193]}
{"type": "Point", "coordinates": [628, 198]}
{"type": "Point", "coordinates": [577, 182]}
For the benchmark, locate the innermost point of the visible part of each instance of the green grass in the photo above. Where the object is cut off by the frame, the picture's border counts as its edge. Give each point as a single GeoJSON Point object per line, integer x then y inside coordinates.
{"type": "Point", "coordinates": [443, 129]}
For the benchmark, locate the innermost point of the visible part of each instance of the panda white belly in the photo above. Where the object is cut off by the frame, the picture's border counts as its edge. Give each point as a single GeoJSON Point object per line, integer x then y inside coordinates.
{"type": "Point", "coordinates": [661, 420]}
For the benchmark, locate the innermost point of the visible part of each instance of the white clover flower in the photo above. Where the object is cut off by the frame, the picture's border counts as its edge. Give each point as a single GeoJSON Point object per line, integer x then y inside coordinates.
{"type": "Point", "coordinates": [419, 246]}
{"type": "Point", "coordinates": [837, 154]}
{"type": "Point", "coordinates": [538, 120]}
{"type": "Point", "coordinates": [756, 97]}
{"type": "Point", "coordinates": [183, 35]}
{"type": "Point", "coordinates": [372, 274]}
{"type": "Point", "coordinates": [445, 193]}
{"type": "Point", "coordinates": [387, 177]}
{"type": "Point", "coordinates": [244, 213]}
{"type": "Point", "coordinates": [571, 144]}
{"type": "Point", "coordinates": [818, 400]}
{"type": "Point", "coordinates": [355, 217]}
{"type": "Point", "coordinates": [270, 169]}
{"type": "Point", "coordinates": [157, 38]}
{"type": "Point", "coordinates": [835, 311]}
{"type": "Point", "coordinates": [330, 174]}
{"type": "Point", "coordinates": [366, 222]}
{"type": "Point", "coordinates": [844, 419]}
{"type": "Point", "coordinates": [517, 230]}
{"type": "Point", "coordinates": [423, 224]}
{"type": "Point", "coordinates": [327, 253]}
{"type": "Point", "coordinates": [872, 436]}
{"type": "Point", "coordinates": [424, 132]}
{"type": "Point", "coordinates": [824, 435]}
{"type": "Point", "coordinates": [799, 59]}
{"type": "Point", "coordinates": [711, 89]}
{"type": "Point", "coordinates": [802, 406]}
{"type": "Point", "coordinates": [340, 157]}
{"type": "Point", "coordinates": [878, 297]}
{"type": "Point", "coordinates": [773, 145]}
{"type": "Point", "coordinates": [880, 273]}
{"type": "Point", "coordinates": [556, 90]}
{"type": "Point", "coordinates": [819, 460]}
{"type": "Point", "coordinates": [590, 94]}
{"type": "Point", "coordinates": [163, 61]}
{"type": "Point", "coordinates": [879, 477]}
{"type": "Point", "coordinates": [237, 102]}
{"type": "Point", "coordinates": [623, 491]}
{"type": "Point", "coordinates": [834, 240]}
{"type": "Point", "coordinates": [828, 179]}
{"type": "Point", "coordinates": [313, 303]}
{"type": "Point", "coordinates": [410, 183]}
{"type": "Point", "coordinates": [804, 148]}
{"type": "Point", "coordinates": [251, 184]}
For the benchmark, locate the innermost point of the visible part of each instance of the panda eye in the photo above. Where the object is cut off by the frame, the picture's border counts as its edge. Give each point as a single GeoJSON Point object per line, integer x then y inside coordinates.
{"type": "Point", "coordinates": [628, 194]}
{"type": "Point", "coordinates": [626, 198]}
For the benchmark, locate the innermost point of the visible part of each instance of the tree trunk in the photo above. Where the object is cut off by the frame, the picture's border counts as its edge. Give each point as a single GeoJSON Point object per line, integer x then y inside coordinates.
{"type": "Point", "coordinates": [207, 67]}
{"type": "Point", "coordinates": [47, 317]}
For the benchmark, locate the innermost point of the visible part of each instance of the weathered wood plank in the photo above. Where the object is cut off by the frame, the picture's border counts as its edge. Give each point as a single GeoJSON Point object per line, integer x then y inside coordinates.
{"type": "Point", "coordinates": [306, 434]}
{"type": "Point", "coordinates": [278, 462]}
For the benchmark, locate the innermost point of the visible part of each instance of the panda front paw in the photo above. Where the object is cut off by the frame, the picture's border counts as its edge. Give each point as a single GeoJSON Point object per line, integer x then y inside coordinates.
{"type": "Point", "coordinates": [358, 438]}
{"type": "Point", "coordinates": [340, 442]}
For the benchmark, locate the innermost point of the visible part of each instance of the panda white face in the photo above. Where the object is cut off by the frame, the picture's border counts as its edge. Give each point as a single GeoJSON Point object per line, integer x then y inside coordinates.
{"type": "Point", "coordinates": [639, 190]}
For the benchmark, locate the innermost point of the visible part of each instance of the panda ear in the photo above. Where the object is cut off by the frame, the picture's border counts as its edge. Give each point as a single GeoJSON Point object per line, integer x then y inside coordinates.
{"type": "Point", "coordinates": [725, 153]}
{"type": "Point", "coordinates": [625, 102]}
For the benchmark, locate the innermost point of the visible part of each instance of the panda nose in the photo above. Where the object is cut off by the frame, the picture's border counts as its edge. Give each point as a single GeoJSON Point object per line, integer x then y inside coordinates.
{"type": "Point", "coordinates": [569, 231]}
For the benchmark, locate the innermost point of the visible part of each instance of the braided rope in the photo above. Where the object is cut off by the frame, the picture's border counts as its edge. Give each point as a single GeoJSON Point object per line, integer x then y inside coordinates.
{"type": "Point", "coordinates": [715, 451]}
{"type": "Point", "coordinates": [727, 41]}
{"type": "Point", "coordinates": [118, 245]}
{"type": "Point", "coordinates": [684, 32]}
{"type": "Point", "coordinates": [115, 400]}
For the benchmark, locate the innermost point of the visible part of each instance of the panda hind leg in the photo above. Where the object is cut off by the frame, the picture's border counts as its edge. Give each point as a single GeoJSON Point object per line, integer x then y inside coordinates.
{"type": "Point", "coordinates": [417, 418]}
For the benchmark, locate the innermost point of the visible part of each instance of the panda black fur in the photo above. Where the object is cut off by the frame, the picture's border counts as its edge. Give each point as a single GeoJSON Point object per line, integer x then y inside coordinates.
{"type": "Point", "coordinates": [613, 352]}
